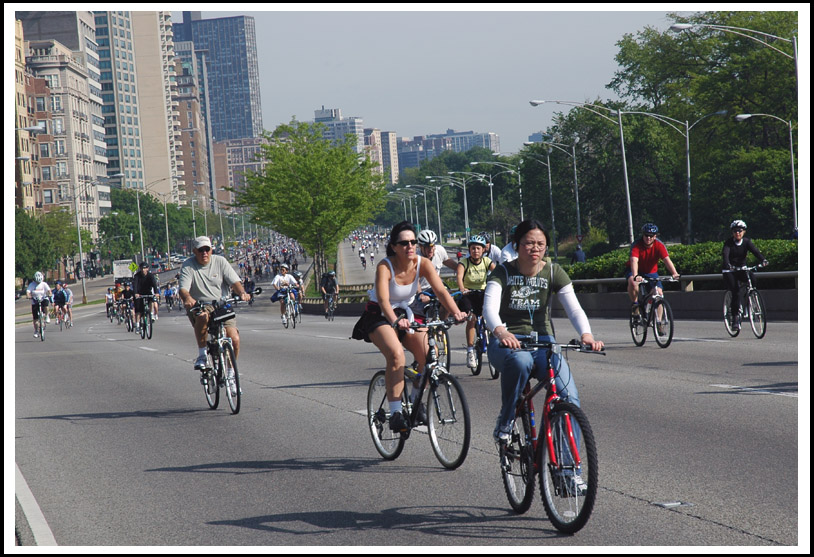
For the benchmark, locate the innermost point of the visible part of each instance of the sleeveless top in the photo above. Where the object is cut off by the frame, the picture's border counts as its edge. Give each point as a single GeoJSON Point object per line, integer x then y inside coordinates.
{"type": "Point", "coordinates": [400, 295]}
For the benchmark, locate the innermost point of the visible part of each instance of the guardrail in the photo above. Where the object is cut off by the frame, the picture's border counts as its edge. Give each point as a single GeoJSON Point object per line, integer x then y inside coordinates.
{"type": "Point", "coordinates": [686, 282]}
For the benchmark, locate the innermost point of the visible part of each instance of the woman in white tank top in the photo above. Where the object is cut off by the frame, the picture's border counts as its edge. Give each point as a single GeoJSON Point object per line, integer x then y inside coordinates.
{"type": "Point", "coordinates": [395, 287]}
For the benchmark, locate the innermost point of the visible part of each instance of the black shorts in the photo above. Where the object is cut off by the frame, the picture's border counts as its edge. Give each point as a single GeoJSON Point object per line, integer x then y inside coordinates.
{"type": "Point", "coordinates": [472, 301]}
{"type": "Point", "coordinates": [43, 304]}
{"type": "Point", "coordinates": [372, 319]}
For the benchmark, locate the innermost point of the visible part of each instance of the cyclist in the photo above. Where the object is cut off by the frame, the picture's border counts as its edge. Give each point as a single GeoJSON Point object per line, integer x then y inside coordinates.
{"type": "Point", "coordinates": [518, 301]}
{"type": "Point", "coordinates": [281, 281]}
{"type": "Point", "coordinates": [168, 298]}
{"type": "Point", "coordinates": [207, 277]}
{"type": "Point", "coordinates": [508, 252]}
{"type": "Point", "coordinates": [735, 251]}
{"type": "Point", "coordinates": [471, 274]}
{"type": "Point", "coordinates": [645, 255]}
{"type": "Point", "coordinates": [60, 298]}
{"type": "Point", "coordinates": [127, 298]}
{"type": "Point", "coordinates": [387, 316]}
{"type": "Point", "coordinates": [329, 287]}
{"type": "Point", "coordinates": [145, 283]}
{"type": "Point", "coordinates": [491, 251]}
{"type": "Point", "coordinates": [38, 291]}
{"type": "Point", "coordinates": [68, 303]}
{"type": "Point", "coordinates": [108, 302]}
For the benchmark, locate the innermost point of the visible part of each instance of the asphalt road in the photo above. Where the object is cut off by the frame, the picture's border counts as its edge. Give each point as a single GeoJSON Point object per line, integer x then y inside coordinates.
{"type": "Point", "coordinates": [115, 440]}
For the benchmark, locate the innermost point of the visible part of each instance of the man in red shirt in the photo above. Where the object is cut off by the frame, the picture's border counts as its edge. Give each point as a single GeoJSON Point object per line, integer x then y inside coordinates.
{"type": "Point", "coordinates": [645, 255]}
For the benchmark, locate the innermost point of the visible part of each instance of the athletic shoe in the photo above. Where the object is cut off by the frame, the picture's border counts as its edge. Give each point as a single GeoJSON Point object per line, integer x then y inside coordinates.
{"type": "Point", "coordinates": [573, 486]}
{"type": "Point", "coordinates": [398, 423]}
{"type": "Point", "coordinates": [36, 335]}
{"type": "Point", "coordinates": [47, 318]}
{"type": "Point", "coordinates": [471, 359]}
{"type": "Point", "coordinates": [200, 363]}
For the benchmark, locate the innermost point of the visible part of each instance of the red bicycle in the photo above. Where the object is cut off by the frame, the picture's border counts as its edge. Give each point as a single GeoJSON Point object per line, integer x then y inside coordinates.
{"type": "Point", "coordinates": [565, 461]}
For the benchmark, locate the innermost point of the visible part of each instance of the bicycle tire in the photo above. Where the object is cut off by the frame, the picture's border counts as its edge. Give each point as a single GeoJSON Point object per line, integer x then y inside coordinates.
{"type": "Point", "coordinates": [448, 417]}
{"type": "Point", "coordinates": [231, 377]}
{"type": "Point", "coordinates": [662, 326]}
{"type": "Point", "coordinates": [517, 465]}
{"type": "Point", "coordinates": [638, 328]}
{"type": "Point", "coordinates": [568, 504]}
{"type": "Point", "coordinates": [143, 330]}
{"type": "Point", "coordinates": [149, 322]}
{"type": "Point", "coordinates": [757, 313]}
{"type": "Point", "coordinates": [388, 443]}
{"type": "Point", "coordinates": [61, 322]}
{"type": "Point", "coordinates": [729, 320]}
{"type": "Point", "coordinates": [43, 325]}
{"type": "Point", "coordinates": [293, 316]}
{"type": "Point", "coordinates": [211, 390]}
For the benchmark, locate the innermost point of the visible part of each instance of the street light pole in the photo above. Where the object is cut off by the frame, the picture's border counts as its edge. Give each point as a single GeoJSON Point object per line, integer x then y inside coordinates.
{"type": "Point", "coordinates": [547, 164]}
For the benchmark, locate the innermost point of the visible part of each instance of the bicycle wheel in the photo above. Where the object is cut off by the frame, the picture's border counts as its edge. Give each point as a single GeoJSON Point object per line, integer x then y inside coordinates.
{"type": "Point", "coordinates": [388, 443]}
{"type": "Point", "coordinates": [517, 465]}
{"type": "Point", "coordinates": [60, 321]}
{"type": "Point", "coordinates": [231, 377]}
{"type": "Point", "coordinates": [148, 320]}
{"type": "Point", "coordinates": [292, 313]}
{"type": "Point", "coordinates": [143, 328]}
{"type": "Point", "coordinates": [757, 313]}
{"type": "Point", "coordinates": [663, 324]}
{"type": "Point", "coordinates": [729, 320]}
{"type": "Point", "coordinates": [569, 473]}
{"type": "Point", "coordinates": [448, 416]}
{"type": "Point", "coordinates": [638, 328]}
{"type": "Point", "coordinates": [211, 390]}
{"type": "Point", "coordinates": [42, 328]}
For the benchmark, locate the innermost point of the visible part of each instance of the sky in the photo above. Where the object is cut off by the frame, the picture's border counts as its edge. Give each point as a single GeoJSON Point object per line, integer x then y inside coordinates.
{"type": "Point", "coordinates": [423, 72]}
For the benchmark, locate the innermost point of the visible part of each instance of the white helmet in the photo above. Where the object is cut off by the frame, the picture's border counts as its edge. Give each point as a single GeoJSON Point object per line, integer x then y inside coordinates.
{"type": "Point", "coordinates": [427, 237]}
{"type": "Point", "coordinates": [737, 224]}
{"type": "Point", "coordinates": [38, 277]}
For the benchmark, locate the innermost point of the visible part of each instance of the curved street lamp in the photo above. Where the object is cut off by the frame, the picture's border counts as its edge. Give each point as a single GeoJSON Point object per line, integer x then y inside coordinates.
{"type": "Point", "coordinates": [547, 164]}
{"type": "Point", "coordinates": [437, 203]}
{"type": "Point", "coordinates": [573, 155]}
{"type": "Point", "coordinates": [742, 117]}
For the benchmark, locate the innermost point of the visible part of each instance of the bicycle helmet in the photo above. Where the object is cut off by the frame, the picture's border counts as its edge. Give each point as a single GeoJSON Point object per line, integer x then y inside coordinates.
{"type": "Point", "coordinates": [477, 239]}
{"type": "Point", "coordinates": [737, 224]}
{"type": "Point", "coordinates": [486, 237]}
{"type": "Point", "coordinates": [427, 237]}
{"type": "Point", "coordinates": [650, 228]}
{"type": "Point", "coordinates": [38, 277]}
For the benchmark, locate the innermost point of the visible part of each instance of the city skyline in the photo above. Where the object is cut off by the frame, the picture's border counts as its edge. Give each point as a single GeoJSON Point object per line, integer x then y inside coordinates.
{"type": "Point", "coordinates": [435, 71]}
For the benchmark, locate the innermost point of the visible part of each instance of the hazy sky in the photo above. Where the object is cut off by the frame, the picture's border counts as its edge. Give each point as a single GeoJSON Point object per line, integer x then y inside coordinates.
{"type": "Point", "coordinates": [422, 72]}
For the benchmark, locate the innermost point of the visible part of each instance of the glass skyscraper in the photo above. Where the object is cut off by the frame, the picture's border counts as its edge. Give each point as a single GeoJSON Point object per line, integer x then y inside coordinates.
{"type": "Point", "coordinates": [227, 48]}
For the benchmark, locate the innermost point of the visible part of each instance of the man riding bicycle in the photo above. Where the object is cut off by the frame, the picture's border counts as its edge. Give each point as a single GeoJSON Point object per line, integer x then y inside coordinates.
{"type": "Point", "coordinates": [208, 277]}
{"type": "Point", "coordinates": [735, 251]}
{"type": "Point", "coordinates": [60, 299]}
{"type": "Point", "coordinates": [329, 287]}
{"type": "Point", "coordinates": [145, 283]}
{"type": "Point", "coordinates": [645, 255]}
{"type": "Point", "coordinates": [472, 273]}
{"type": "Point", "coordinates": [282, 281]}
{"type": "Point", "coordinates": [38, 292]}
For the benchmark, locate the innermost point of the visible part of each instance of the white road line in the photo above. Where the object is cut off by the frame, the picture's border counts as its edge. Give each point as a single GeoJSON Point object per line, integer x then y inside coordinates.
{"type": "Point", "coordinates": [701, 339]}
{"type": "Point", "coordinates": [36, 520]}
{"type": "Point", "coordinates": [753, 390]}
{"type": "Point", "coordinates": [150, 349]}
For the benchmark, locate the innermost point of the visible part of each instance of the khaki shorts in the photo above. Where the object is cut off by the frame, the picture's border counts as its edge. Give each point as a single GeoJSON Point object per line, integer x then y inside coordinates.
{"type": "Point", "coordinates": [229, 323]}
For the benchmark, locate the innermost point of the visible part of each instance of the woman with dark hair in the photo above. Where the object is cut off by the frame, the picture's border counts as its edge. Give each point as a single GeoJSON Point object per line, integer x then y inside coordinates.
{"type": "Point", "coordinates": [387, 317]}
{"type": "Point", "coordinates": [518, 301]}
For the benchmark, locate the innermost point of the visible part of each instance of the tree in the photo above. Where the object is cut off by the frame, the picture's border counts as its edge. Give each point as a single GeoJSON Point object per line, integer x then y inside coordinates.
{"type": "Point", "coordinates": [33, 248]}
{"type": "Point", "coordinates": [311, 189]}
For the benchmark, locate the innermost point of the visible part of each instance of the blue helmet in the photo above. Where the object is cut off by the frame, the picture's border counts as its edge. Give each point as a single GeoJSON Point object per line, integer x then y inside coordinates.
{"type": "Point", "coordinates": [650, 228]}
{"type": "Point", "coordinates": [477, 239]}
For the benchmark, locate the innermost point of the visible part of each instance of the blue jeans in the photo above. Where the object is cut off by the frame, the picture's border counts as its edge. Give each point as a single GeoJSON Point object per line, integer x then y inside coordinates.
{"type": "Point", "coordinates": [516, 366]}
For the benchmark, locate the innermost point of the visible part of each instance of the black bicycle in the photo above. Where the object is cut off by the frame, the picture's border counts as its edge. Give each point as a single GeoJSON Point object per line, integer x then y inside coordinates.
{"type": "Point", "coordinates": [41, 315]}
{"type": "Point", "coordinates": [221, 370]}
{"type": "Point", "coordinates": [331, 306]}
{"type": "Point", "coordinates": [447, 413]}
{"type": "Point", "coordinates": [146, 320]}
{"type": "Point", "coordinates": [432, 310]}
{"type": "Point", "coordinates": [562, 454]}
{"type": "Point", "coordinates": [751, 305]}
{"type": "Point", "coordinates": [653, 310]}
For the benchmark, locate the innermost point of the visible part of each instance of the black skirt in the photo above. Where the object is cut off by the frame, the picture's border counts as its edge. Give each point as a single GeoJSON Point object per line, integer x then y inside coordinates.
{"type": "Point", "coordinates": [372, 319]}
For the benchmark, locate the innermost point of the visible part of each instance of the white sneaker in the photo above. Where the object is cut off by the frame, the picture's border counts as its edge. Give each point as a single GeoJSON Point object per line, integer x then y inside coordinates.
{"type": "Point", "coordinates": [283, 319]}
{"type": "Point", "coordinates": [471, 359]}
{"type": "Point", "coordinates": [36, 335]}
{"type": "Point", "coordinates": [47, 318]}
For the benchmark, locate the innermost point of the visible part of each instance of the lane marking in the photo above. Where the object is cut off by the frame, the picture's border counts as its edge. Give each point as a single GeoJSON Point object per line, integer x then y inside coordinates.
{"type": "Point", "coordinates": [33, 514]}
{"type": "Point", "coordinates": [701, 339]}
{"type": "Point", "coordinates": [754, 390]}
{"type": "Point", "coordinates": [150, 349]}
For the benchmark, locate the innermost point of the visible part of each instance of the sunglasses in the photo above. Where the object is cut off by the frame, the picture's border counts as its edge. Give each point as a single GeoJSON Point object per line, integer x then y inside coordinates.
{"type": "Point", "coordinates": [405, 243]}
{"type": "Point", "coordinates": [205, 249]}
{"type": "Point", "coordinates": [649, 235]}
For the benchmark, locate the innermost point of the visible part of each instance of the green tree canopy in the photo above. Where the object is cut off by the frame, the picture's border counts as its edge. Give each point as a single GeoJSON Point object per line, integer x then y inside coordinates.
{"type": "Point", "coordinates": [311, 189]}
{"type": "Point", "coordinates": [33, 248]}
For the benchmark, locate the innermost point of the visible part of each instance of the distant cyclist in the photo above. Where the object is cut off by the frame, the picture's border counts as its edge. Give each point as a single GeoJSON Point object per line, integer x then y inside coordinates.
{"type": "Point", "coordinates": [329, 287]}
{"type": "Point", "coordinates": [645, 255]}
{"type": "Point", "coordinates": [38, 292]}
{"type": "Point", "coordinates": [472, 273]}
{"type": "Point", "coordinates": [283, 281]}
{"type": "Point", "coordinates": [735, 251]}
{"type": "Point", "coordinates": [60, 297]}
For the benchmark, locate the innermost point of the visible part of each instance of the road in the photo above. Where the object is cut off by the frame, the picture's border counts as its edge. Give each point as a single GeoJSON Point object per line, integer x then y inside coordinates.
{"type": "Point", "coordinates": [117, 445]}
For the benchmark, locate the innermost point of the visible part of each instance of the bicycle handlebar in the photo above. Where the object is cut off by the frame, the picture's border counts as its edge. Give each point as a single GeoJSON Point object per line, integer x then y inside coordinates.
{"type": "Point", "coordinates": [745, 268]}
{"type": "Point", "coordinates": [656, 279]}
{"type": "Point", "coordinates": [573, 344]}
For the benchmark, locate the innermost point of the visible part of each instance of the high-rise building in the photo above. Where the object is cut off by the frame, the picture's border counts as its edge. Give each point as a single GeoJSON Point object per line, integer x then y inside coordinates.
{"type": "Point", "coordinates": [194, 160]}
{"type": "Point", "coordinates": [62, 49]}
{"type": "Point", "coordinates": [24, 119]}
{"type": "Point", "coordinates": [155, 65]}
{"type": "Point", "coordinates": [373, 148]}
{"type": "Point", "coordinates": [390, 157]}
{"type": "Point", "coordinates": [337, 127]}
{"type": "Point", "coordinates": [118, 76]}
{"type": "Point", "coordinates": [227, 50]}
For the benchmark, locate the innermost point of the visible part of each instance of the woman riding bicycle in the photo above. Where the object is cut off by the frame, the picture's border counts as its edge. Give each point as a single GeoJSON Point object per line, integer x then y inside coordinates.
{"type": "Point", "coordinates": [735, 251]}
{"type": "Point", "coordinates": [387, 317]}
{"type": "Point", "coordinates": [471, 273]}
{"type": "Point", "coordinates": [518, 301]}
